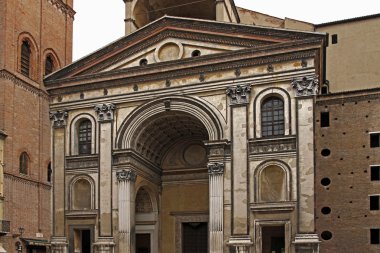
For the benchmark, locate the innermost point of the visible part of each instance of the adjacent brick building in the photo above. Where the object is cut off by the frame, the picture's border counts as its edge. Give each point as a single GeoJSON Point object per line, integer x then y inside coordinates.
{"type": "Point", "coordinates": [35, 39]}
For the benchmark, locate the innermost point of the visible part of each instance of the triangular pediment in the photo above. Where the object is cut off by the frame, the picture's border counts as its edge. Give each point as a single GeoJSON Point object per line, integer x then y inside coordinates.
{"type": "Point", "coordinates": [173, 39]}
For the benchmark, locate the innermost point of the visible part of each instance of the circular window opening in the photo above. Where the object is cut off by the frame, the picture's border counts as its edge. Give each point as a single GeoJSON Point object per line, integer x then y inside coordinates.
{"type": "Point", "coordinates": [325, 181]}
{"type": "Point", "coordinates": [326, 210]}
{"type": "Point", "coordinates": [326, 235]}
{"type": "Point", "coordinates": [143, 62]}
{"type": "Point", "coordinates": [196, 53]}
{"type": "Point", "coordinates": [325, 152]}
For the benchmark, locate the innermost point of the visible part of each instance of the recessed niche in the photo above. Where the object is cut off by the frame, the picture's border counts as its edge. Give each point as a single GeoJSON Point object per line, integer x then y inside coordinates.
{"type": "Point", "coordinates": [325, 152]}
{"type": "Point", "coordinates": [326, 235]}
{"type": "Point", "coordinates": [169, 51]}
{"type": "Point", "coordinates": [195, 53]}
{"type": "Point", "coordinates": [143, 62]}
{"type": "Point", "coordinates": [325, 181]}
{"type": "Point", "coordinates": [326, 210]}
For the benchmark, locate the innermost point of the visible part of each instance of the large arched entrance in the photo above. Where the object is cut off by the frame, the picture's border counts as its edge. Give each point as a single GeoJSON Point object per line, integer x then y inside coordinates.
{"type": "Point", "coordinates": [169, 134]}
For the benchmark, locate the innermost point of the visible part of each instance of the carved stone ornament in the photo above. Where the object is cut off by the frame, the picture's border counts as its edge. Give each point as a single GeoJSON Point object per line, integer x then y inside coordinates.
{"type": "Point", "coordinates": [239, 94]}
{"type": "Point", "coordinates": [58, 118]}
{"type": "Point", "coordinates": [126, 175]}
{"type": "Point", "coordinates": [306, 86]}
{"type": "Point", "coordinates": [215, 168]}
{"type": "Point", "coordinates": [105, 111]}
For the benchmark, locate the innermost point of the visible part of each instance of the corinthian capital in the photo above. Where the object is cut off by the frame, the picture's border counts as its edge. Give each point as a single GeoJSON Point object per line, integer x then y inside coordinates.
{"type": "Point", "coordinates": [215, 168]}
{"type": "Point", "coordinates": [126, 175]}
{"type": "Point", "coordinates": [239, 94]}
{"type": "Point", "coordinates": [105, 111]}
{"type": "Point", "coordinates": [306, 86]}
{"type": "Point", "coordinates": [58, 118]}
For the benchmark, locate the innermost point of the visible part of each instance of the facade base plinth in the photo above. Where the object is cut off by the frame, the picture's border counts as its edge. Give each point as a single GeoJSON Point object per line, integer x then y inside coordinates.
{"type": "Point", "coordinates": [59, 245]}
{"type": "Point", "coordinates": [240, 243]}
{"type": "Point", "coordinates": [104, 245]}
{"type": "Point", "coordinates": [306, 243]}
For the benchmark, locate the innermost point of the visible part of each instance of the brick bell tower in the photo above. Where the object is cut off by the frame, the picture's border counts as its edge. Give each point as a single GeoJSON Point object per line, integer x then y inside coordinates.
{"type": "Point", "coordinates": [35, 40]}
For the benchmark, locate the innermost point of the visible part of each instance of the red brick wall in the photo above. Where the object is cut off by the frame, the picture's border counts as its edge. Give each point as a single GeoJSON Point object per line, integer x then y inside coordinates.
{"type": "Point", "coordinates": [352, 116]}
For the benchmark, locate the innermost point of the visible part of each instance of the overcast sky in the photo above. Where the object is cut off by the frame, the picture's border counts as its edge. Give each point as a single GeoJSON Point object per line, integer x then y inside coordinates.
{"type": "Point", "coordinates": [99, 22]}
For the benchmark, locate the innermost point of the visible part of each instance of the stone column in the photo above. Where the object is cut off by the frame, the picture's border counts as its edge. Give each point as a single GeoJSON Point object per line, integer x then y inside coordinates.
{"type": "Point", "coordinates": [126, 204]}
{"type": "Point", "coordinates": [105, 114]}
{"type": "Point", "coordinates": [215, 171]}
{"type": "Point", "coordinates": [58, 240]}
{"type": "Point", "coordinates": [130, 25]}
{"type": "Point", "coordinates": [306, 241]}
{"type": "Point", "coordinates": [239, 98]}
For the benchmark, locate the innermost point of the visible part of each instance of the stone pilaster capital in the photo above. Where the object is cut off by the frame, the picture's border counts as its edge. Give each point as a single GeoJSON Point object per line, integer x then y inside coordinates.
{"type": "Point", "coordinates": [126, 175]}
{"type": "Point", "coordinates": [306, 86]}
{"type": "Point", "coordinates": [59, 118]}
{"type": "Point", "coordinates": [215, 168]}
{"type": "Point", "coordinates": [3, 135]}
{"type": "Point", "coordinates": [105, 112]}
{"type": "Point", "coordinates": [239, 94]}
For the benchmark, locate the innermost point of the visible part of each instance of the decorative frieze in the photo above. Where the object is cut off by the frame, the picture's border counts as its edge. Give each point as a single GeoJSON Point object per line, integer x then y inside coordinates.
{"type": "Point", "coordinates": [105, 112]}
{"type": "Point", "coordinates": [239, 94]}
{"type": "Point", "coordinates": [277, 145]}
{"type": "Point", "coordinates": [306, 86]}
{"type": "Point", "coordinates": [81, 162]}
{"type": "Point", "coordinates": [58, 118]}
{"type": "Point", "coordinates": [63, 8]}
{"type": "Point", "coordinates": [215, 168]}
{"type": "Point", "coordinates": [126, 175]}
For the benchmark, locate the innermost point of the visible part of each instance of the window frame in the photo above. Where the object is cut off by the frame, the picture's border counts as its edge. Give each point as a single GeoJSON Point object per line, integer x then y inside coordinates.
{"type": "Point", "coordinates": [84, 137]}
{"type": "Point", "coordinates": [25, 60]}
{"type": "Point", "coordinates": [24, 163]}
{"type": "Point", "coordinates": [268, 127]}
{"type": "Point", "coordinates": [374, 139]}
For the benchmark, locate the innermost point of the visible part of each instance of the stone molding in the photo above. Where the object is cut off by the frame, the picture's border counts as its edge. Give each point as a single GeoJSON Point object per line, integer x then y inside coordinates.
{"type": "Point", "coordinates": [306, 86]}
{"type": "Point", "coordinates": [126, 175]}
{"type": "Point", "coordinates": [62, 7]}
{"type": "Point", "coordinates": [4, 74]}
{"type": "Point", "coordinates": [59, 118]}
{"type": "Point", "coordinates": [275, 145]}
{"type": "Point", "coordinates": [105, 112]}
{"type": "Point", "coordinates": [215, 168]}
{"type": "Point", "coordinates": [239, 94]}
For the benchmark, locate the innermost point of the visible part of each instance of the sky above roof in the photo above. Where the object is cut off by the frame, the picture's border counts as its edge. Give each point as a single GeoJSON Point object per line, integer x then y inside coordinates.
{"type": "Point", "coordinates": [99, 22]}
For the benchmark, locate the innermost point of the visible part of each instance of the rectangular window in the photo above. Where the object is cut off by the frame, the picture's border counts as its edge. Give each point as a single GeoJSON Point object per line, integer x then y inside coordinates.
{"type": "Point", "coordinates": [325, 119]}
{"type": "Point", "coordinates": [374, 202]}
{"type": "Point", "coordinates": [334, 39]}
{"type": "Point", "coordinates": [375, 173]}
{"type": "Point", "coordinates": [375, 140]}
{"type": "Point", "coordinates": [375, 236]}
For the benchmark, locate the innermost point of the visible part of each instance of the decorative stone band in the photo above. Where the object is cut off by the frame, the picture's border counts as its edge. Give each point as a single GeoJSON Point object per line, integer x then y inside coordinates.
{"type": "Point", "coordinates": [306, 86]}
{"type": "Point", "coordinates": [239, 94]}
{"type": "Point", "coordinates": [215, 168]}
{"type": "Point", "coordinates": [126, 175]}
{"type": "Point", "coordinates": [105, 111]}
{"type": "Point", "coordinates": [58, 118]}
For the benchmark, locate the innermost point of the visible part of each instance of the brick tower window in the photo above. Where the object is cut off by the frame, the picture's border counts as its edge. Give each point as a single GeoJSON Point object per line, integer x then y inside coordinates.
{"type": "Point", "coordinates": [272, 117]}
{"type": "Point", "coordinates": [84, 135]}
{"type": "Point", "coordinates": [49, 65]}
{"type": "Point", "coordinates": [25, 58]}
{"type": "Point", "coordinates": [24, 163]}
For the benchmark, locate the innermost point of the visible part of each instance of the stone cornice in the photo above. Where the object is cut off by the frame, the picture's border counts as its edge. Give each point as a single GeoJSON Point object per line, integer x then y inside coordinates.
{"type": "Point", "coordinates": [26, 180]}
{"type": "Point", "coordinates": [4, 74]}
{"type": "Point", "coordinates": [348, 96]}
{"type": "Point", "coordinates": [195, 26]}
{"type": "Point", "coordinates": [63, 8]}
{"type": "Point", "coordinates": [170, 70]}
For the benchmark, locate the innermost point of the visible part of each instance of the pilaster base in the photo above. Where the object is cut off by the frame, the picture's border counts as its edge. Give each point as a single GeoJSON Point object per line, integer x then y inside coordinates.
{"type": "Point", "coordinates": [104, 245]}
{"type": "Point", "coordinates": [59, 245]}
{"type": "Point", "coordinates": [240, 244]}
{"type": "Point", "coordinates": [306, 243]}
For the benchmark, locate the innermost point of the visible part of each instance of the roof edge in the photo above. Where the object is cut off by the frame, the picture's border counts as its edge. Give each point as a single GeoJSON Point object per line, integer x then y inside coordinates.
{"type": "Point", "coordinates": [348, 20]}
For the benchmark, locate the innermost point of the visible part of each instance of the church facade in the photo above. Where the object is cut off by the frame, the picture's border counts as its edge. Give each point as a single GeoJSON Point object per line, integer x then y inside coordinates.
{"type": "Point", "coordinates": [188, 135]}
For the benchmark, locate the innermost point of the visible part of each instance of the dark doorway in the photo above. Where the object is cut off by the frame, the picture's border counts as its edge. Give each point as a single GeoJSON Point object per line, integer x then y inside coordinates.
{"type": "Point", "coordinates": [80, 240]}
{"type": "Point", "coordinates": [194, 237]}
{"type": "Point", "coordinates": [86, 241]}
{"type": "Point", "coordinates": [143, 243]}
{"type": "Point", "coordinates": [273, 239]}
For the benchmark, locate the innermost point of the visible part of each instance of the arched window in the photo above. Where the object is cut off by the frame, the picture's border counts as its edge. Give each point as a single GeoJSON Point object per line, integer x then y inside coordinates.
{"type": "Point", "coordinates": [272, 117]}
{"type": "Point", "coordinates": [24, 163]}
{"type": "Point", "coordinates": [81, 195]}
{"type": "Point", "coordinates": [273, 184]}
{"type": "Point", "coordinates": [25, 58]}
{"type": "Point", "coordinates": [49, 65]}
{"type": "Point", "coordinates": [84, 137]}
{"type": "Point", "coordinates": [49, 172]}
